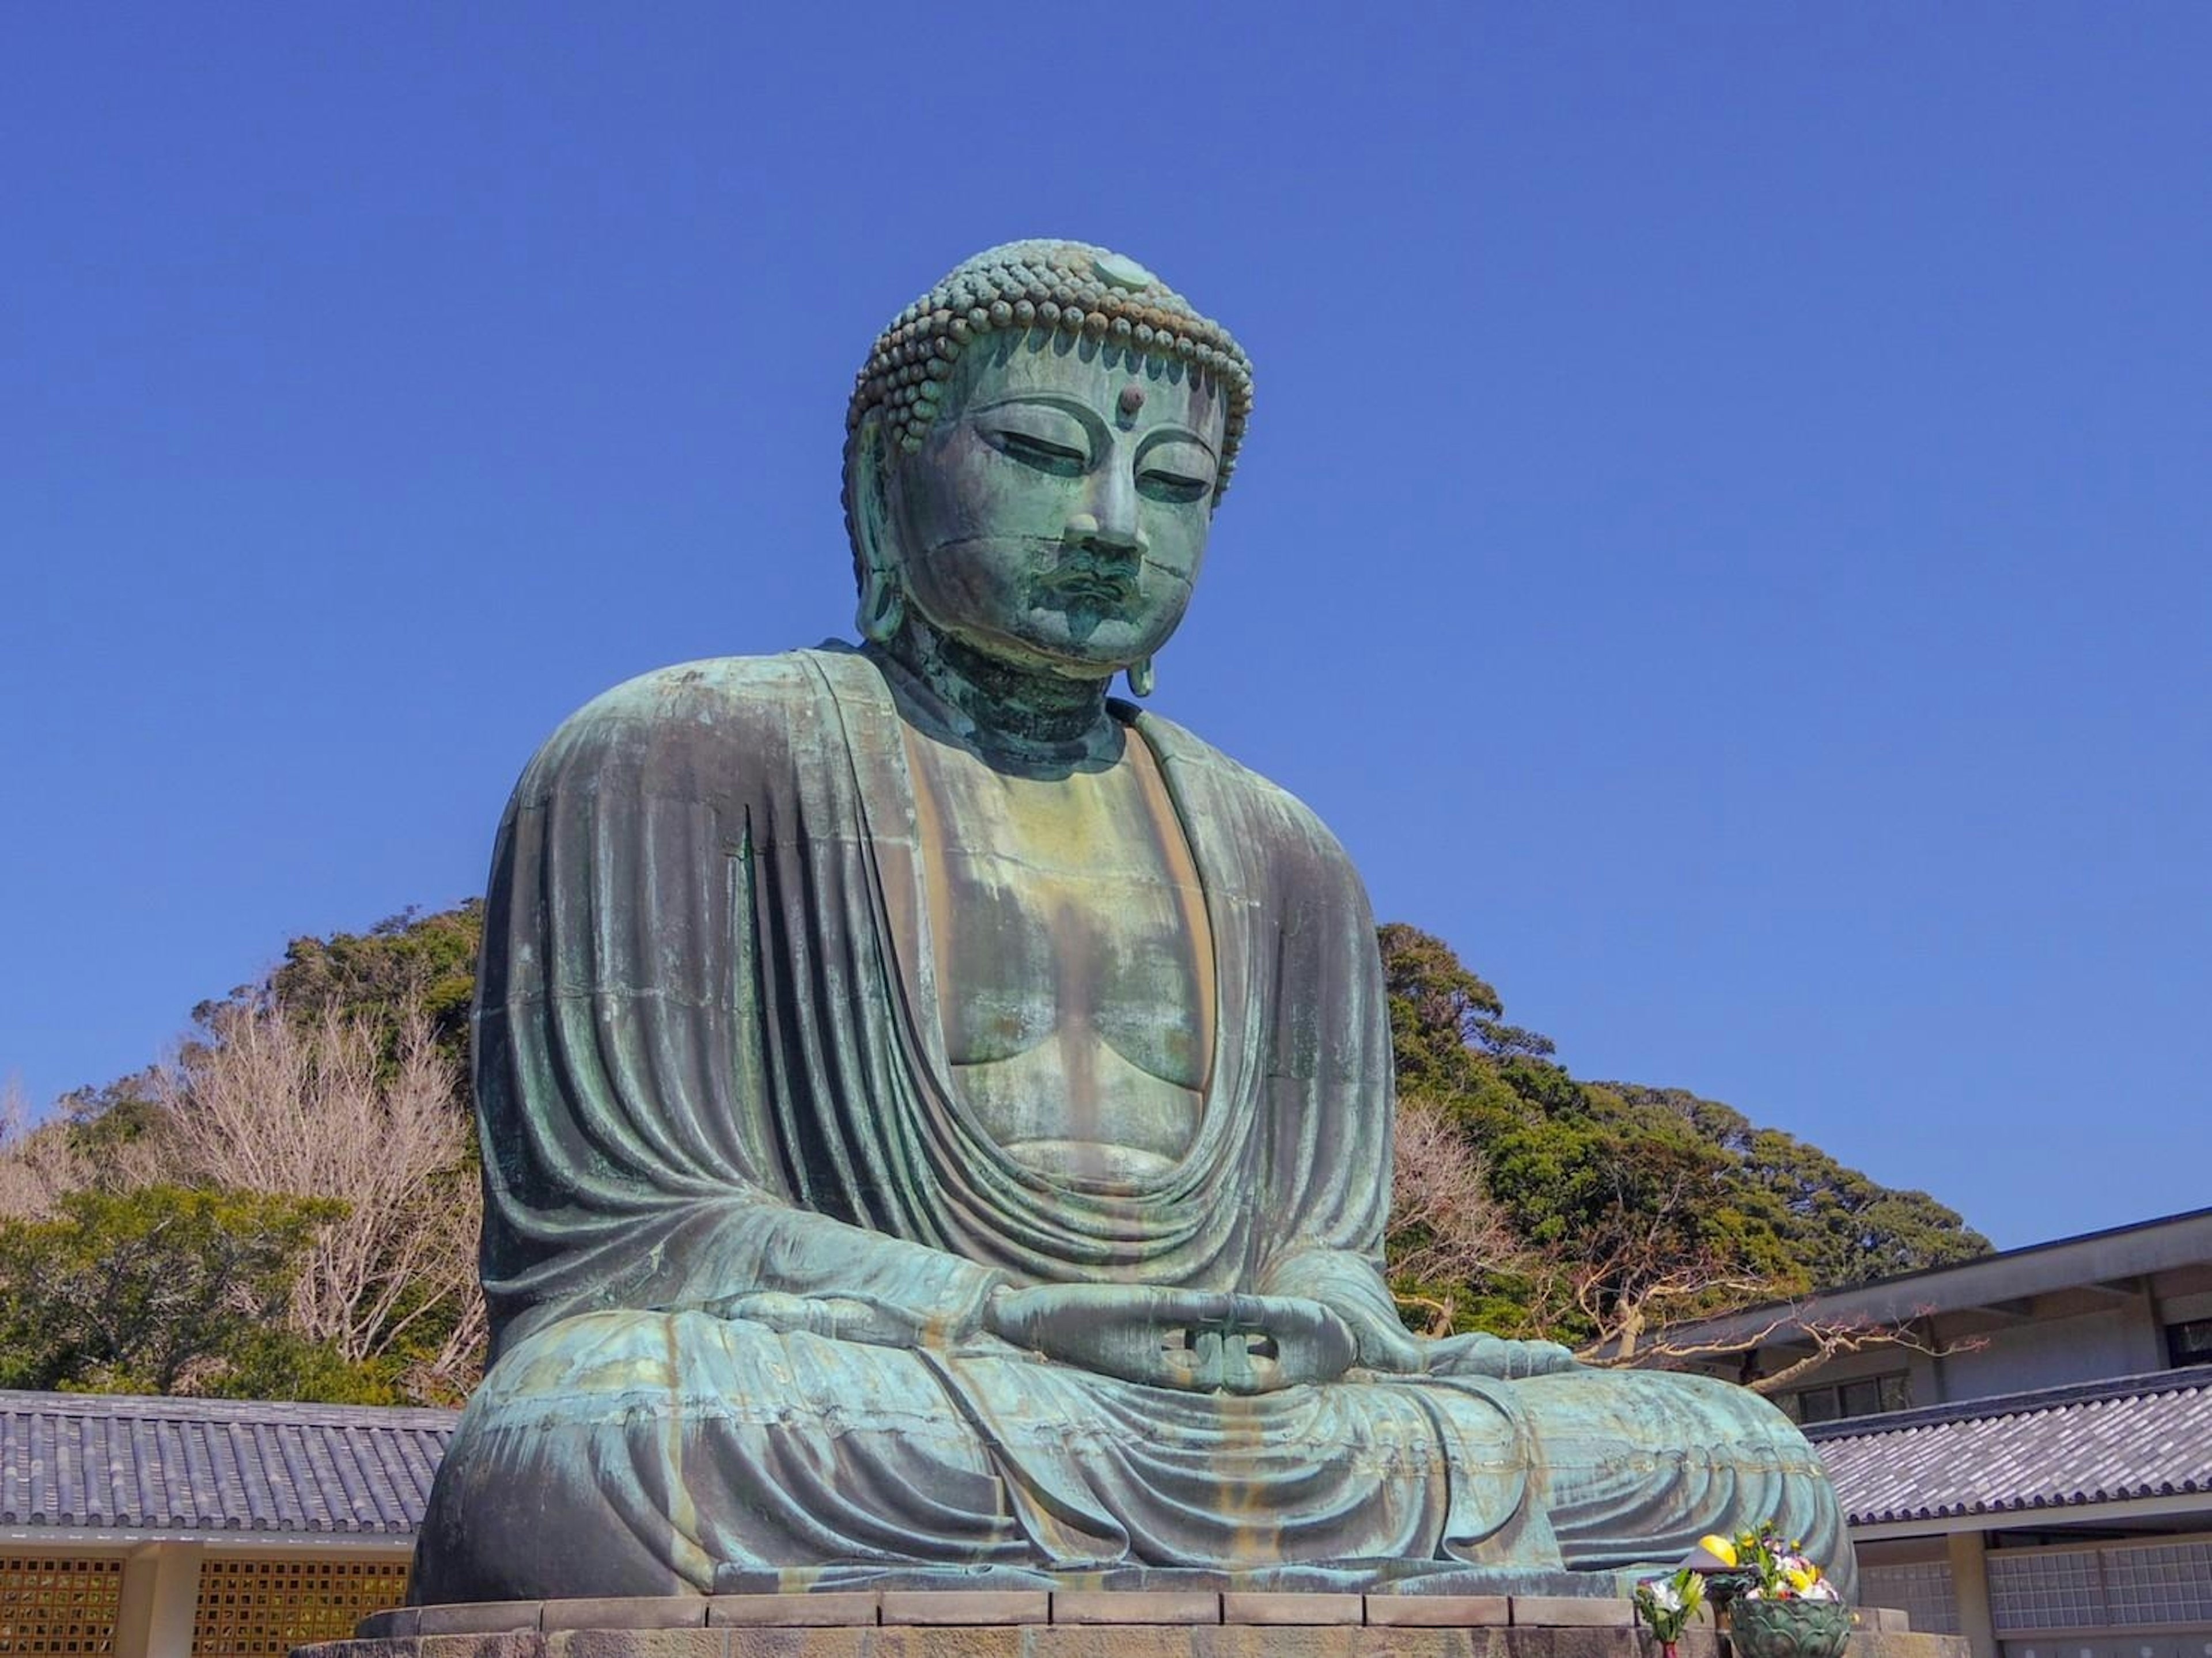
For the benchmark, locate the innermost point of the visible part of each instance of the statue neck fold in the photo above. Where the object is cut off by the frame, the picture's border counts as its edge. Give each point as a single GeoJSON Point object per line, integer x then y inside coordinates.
{"type": "Point", "coordinates": [1005, 709]}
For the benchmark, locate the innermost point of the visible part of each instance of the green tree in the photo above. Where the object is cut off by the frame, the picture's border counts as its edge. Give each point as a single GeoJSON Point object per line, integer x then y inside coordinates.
{"type": "Point", "coordinates": [154, 1290]}
{"type": "Point", "coordinates": [406, 963]}
{"type": "Point", "coordinates": [1633, 1207]}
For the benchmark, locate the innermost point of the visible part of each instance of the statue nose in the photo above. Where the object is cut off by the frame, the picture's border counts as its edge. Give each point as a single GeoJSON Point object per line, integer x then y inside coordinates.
{"type": "Point", "coordinates": [1110, 532]}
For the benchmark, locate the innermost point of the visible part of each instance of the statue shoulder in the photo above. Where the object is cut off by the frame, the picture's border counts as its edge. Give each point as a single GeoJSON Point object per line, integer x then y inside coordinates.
{"type": "Point", "coordinates": [692, 720]}
{"type": "Point", "coordinates": [714, 688]}
{"type": "Point", "coordinates": [1298, 830]}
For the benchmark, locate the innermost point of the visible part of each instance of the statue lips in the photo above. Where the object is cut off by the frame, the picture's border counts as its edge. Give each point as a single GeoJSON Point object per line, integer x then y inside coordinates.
{"type": "Point", "coordinates": [1087, 583]}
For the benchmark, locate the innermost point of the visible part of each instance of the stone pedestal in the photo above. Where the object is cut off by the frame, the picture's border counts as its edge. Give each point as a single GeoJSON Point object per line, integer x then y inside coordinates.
{"type": "Point", "coordinates": [1037, 1624]}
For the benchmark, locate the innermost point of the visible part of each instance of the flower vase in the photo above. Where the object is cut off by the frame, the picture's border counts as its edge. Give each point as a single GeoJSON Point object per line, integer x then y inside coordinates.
{"type": "Point", "coordinates": [1788, 1629]}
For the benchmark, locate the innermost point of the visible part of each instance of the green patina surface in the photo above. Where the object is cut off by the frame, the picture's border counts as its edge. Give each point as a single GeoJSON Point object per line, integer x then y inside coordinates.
{"type": "Point", "coordinates": [936, 1119]}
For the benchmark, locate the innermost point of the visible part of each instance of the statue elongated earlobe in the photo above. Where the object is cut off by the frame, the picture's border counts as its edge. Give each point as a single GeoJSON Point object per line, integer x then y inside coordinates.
{"type": "Point", "coordinates": [867, 516]}
{"type": "Point", "coordinates": [883, 605]}
{"type": "Point", "coordinates": [1141, 677]}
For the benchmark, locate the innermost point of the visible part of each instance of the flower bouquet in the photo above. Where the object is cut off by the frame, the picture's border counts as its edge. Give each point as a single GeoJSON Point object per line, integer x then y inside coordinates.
{"type": "Point", "coordinates": [1668, 1604]}
{"type": "Point", "coordinates": [1778, 1602]}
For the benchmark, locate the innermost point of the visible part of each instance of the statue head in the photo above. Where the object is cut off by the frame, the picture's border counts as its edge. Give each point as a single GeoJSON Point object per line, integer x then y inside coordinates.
{"type": "Point", "coordinates": [1033, 453]}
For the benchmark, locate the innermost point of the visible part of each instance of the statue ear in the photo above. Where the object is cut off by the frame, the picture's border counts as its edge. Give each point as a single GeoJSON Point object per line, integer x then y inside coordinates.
{"type": "Point", "coordinates": [868, 520]}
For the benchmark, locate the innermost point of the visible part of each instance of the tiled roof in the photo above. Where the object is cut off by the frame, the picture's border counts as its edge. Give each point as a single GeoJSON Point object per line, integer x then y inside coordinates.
{"type": "Point", "coordinates": [96, 1462]}
{"type": "Point", "coordinates": [2105, 1441]}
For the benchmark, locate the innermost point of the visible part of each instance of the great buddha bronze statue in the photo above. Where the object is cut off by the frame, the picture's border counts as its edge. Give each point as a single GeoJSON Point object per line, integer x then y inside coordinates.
{"type": "Point", "coordinates": [937, 1118]}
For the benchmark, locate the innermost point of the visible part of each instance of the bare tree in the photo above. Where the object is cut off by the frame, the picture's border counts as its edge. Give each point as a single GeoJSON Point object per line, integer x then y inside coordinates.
{"type": "Point", "coordinates": [272, 1105]}
{"type": "Point", "coordinates": [1626, 1295]}
{"type": "Point", "coordinates": [38, 1163]}
{"type": "Point", "coordinates": [1821, 1337]}
{"type": "Point", "coordinates": [1637, 1259]}
{"type": "Point", "coordinates": [1445, 1228]}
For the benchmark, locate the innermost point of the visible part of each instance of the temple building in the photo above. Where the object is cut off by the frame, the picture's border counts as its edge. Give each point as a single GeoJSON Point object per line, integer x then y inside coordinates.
{"type": "Point", "coordinates": [2032, 1469]}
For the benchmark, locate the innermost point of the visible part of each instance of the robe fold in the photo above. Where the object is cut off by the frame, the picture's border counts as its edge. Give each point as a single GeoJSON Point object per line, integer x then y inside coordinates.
{"type": "Point", "coordinates": [739, 1223]}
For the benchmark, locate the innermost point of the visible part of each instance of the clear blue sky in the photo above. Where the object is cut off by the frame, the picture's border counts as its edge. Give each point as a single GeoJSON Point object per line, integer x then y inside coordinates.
{"type": "Point", "coordinates": [1724, 536]}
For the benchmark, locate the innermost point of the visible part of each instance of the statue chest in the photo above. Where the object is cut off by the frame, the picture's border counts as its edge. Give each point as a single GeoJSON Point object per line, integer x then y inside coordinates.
{"type": "Point", "coordinates": [1073, 966]}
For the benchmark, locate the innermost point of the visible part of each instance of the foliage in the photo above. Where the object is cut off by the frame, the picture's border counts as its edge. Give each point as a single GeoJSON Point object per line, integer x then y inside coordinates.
{"type": "Point", "coordinates": [1623, 1208]}
{"type": "Point", "coordinates": [406, 965]}
{"type": "Point", "coordinates": [162, 1289]}
{"type": "Point", "coordinates": [278, 1103]}
{"type": "Point", "coordinates": [1445, 1228]}
{"type": "Point", "coordinates": [305, 1158]}
{"type": "Point", "coordinates": [1445, 1019]}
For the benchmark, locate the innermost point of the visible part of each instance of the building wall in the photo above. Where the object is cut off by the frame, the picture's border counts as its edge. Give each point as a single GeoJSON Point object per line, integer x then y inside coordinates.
{"type": "Point", "coordinates": [237, 1603]}
{"type": "Point", "coordinates": [2151, 1599]}
{"type": "Point", "coordinates": [2118, 1340]}
{"type": "Point", "coordinates": [2079, 1334]}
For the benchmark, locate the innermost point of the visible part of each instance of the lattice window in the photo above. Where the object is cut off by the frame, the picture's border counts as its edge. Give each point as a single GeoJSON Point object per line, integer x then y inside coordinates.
{"type": "Point", "coordinates": [58, 1605]}
{"type": "Point", "coordinates": [264, 1608]}
{"type": "Point", "coordinates": [2160, 1582]}
{"type": "Point", "coordinates": [2046, 1589]}
{"type": "Point", "coordinates": [1921, 1589]}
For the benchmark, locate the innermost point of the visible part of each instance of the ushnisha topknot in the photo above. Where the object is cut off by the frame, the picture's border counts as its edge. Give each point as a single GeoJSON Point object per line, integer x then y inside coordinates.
{"type": "Point", "coordinates": [1024, 287]}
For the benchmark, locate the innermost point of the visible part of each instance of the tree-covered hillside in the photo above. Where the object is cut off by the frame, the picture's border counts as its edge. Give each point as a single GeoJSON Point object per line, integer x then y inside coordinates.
{"type": "Point", "coordinates": [1612, 1208]}
{"type": "Point", "coordinates": [287, 1204]}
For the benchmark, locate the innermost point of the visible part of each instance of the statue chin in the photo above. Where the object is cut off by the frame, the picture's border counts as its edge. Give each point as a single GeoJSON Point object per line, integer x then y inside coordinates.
{"type": "Point", "coordinates": [910, 1165]}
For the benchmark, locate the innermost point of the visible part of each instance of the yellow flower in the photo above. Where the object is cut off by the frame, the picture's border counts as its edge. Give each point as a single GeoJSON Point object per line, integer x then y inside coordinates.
{"type": "Point", "coordinates": [1800, 1580]}
{"type": "Point", "coordinates": [1720, 1548]}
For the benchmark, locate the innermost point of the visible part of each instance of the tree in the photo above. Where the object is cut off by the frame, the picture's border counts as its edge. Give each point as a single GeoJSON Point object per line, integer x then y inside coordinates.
{"type": "Point", "coordinates": [1443, 1017]}
{"type": "Point", "coordinates": [1445, 1228]}
{"type": "Point", "coordinates": [38, 1163]}
{"type": "Point", "coordinates": [283, 1105]}
{"type": "Point", "coordinates": [150, 1291]}
{"type": "Point", "coordinates": [1822, 1337]}
{"type": "Point", "coordinates": [1632, 1208]}
{"type": "Point", "coordinates": [407, 966]}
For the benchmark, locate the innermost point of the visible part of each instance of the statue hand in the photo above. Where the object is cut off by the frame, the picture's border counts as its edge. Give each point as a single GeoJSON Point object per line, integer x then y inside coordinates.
{"type": "Point", "coordinates": [1198, 1341]}
{"type": "Point", "coordinates": [1285, 1342]}
{"type": "Point", "coordinates": [839, 1318]}
{"type": "Point", "coordinates": [1388, 1346]}
{"type": "Point", "coordinates": [1479, 1354]}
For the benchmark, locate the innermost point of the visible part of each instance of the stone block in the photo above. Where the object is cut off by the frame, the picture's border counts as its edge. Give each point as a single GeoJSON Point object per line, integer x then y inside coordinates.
{"type": "Point", "coordinates": [938, 1607]}
{"type": "Point", "coordinates": [1578, 1641]}
{"type": "Point", "coordinates": [1285, 1641]}
{"type": "Point", "coordinates": [1573, 1612]}
{"type": "Point", "coordinates": [1888, 1620]}
{"type": "Point", "coordinates": [478, 1617]}
{"type": "Point", "coordinates": [514, 1644]}
{"type": "Point", "coordinates": [1439, 1610]}
{"type": "Point", "coordinates": [1126, 1641]}
{"type": "Point", "coordinates": [831, 1608]}
{"type": "Point", "coordinates": [1279, 1608]}
{"type": "Point", "coordinates": [933, 1641]}
{"type": "Point", "coordinates": [701, 1643]}
{"type": "Point", "coordinates": [1903, 1643]}
{"type": "Point", "coordinates": [789, 1640]}
{"type": "Point", "coordinates": [635, 1612]}
{"type": "Point", "coordinates": [1136, 1607]}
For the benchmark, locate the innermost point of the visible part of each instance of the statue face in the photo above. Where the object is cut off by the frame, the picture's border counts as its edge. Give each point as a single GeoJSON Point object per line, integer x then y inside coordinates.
{"type": "Point", "coordinates": [1056, 515]}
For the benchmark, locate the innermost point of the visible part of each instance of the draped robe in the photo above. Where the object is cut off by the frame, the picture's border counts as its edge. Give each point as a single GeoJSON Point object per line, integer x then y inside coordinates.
{"type": "Point", "coordinates": [740, 1224]}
